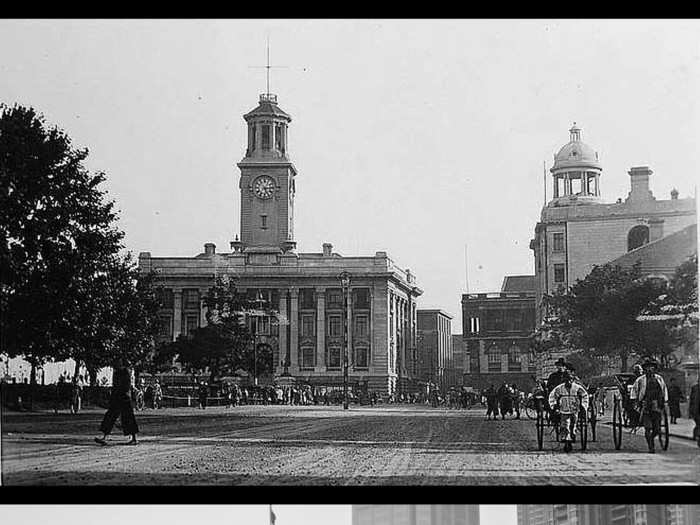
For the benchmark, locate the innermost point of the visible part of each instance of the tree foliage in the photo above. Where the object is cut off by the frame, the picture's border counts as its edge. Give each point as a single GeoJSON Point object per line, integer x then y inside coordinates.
{"type": "Point", "coordinates": [225, 344]}
{"type": "Point", "coordinates": [599, 315]}
{"type": "Point", "coordinates": [67, 291]}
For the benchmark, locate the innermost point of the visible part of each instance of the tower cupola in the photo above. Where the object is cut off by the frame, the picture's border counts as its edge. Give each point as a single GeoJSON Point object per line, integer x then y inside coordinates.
{"type": "Point", "coordinates": [576, 172]}
{"type": "Point", "coordinates": [267, 130]}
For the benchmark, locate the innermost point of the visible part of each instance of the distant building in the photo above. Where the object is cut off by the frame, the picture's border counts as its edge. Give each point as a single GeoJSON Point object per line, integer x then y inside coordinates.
{"type": "Point", "coordinates": [578, 230]}
{"type": "Point", "coordinates": [305, 341]}
{"type": "Point", "coordinates": [609, 514]}
{"type": "Point", "coordinates": [415, 515]}
{"type": "Point", "coordinates": [496, 328]}
{"type": "Point", "coordinates": [434, 348]}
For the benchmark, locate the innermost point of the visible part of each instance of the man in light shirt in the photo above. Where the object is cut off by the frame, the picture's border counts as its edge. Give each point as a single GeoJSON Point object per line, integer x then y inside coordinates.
{"type": "Point", "coordinates": [567, 399]}
{"type": "Point", "coordinates": [650, 395]}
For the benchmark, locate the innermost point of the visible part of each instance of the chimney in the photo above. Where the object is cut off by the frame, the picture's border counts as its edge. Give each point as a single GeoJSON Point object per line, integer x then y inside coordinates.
{"type": "Point", "coordinates": [209, 248]}
{"type": "Point", "coordinates": [639, 184]}
{"type": "Point", "coordinates": [674, 194]}
{"type": "Point", "coordinates": [327, 249]}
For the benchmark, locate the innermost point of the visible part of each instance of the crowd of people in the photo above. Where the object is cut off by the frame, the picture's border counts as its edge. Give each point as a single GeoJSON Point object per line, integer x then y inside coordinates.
{"type": "Point", "coordinates": [506, 400]}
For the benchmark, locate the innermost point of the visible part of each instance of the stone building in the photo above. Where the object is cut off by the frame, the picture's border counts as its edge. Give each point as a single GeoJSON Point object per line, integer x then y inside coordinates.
{"type": "Point", "coordinates": [434, 348]}
{"type": "Point", "coordinates": [496, 328]}
{"type": "Point", "coordinates": [578, 230]}
{"type": "Point", "coordinates": [306, 338]}
{"type": "Point", "coordinates": [415, 515]}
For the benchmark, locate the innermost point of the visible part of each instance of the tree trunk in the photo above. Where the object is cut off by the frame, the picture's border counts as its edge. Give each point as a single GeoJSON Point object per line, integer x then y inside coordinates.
{"type": "Point", "coordinates": [623, 360]}
{"type": "Point", "coordinates": [32, 386]}
{"type": "Point", "coordinates": [76, 370]}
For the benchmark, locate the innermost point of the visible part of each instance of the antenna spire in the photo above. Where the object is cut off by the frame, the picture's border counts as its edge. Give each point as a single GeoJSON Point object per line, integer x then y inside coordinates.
{"type": "Point", "coordinates": [268, 92]}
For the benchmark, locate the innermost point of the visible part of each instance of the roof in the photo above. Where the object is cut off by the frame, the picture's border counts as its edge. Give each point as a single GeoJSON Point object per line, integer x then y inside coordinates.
{"type": "Point", "coordinates": [576, 153]}
{"type": "Point", "coordinates": [267, 107]}
{"type": "Point", "coordinates": [518, 283]}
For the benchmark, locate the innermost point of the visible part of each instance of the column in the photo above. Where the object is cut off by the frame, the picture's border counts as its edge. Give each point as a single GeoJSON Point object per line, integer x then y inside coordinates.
{"type": "Point", "coordinates": [177, 312]}
{"type": "Point", "coordinates": [294, 331]}
{"type": "Point", "coordinates": [483, 358]}
{"type": "Point", "coordinates": [320, 329]}
{"type": "Point", "coordinates": [282, 351]}
{"type": "Point", "coordinates": [202, 309]}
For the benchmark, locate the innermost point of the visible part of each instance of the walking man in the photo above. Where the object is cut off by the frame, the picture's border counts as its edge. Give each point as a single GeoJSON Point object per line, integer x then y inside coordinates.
{"type": "Point", "coordinates": [119, 406]}
{"type": "Point", "coordinates": [650, 393]}
{"type": "Point", "coordinates": [203, 395]}
{"type": "Point", "coordinates": [675, 397]}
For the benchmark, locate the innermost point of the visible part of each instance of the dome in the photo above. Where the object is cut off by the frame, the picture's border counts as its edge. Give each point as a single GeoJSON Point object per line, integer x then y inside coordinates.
{"type": "Point", "coordinates": [576, 153]}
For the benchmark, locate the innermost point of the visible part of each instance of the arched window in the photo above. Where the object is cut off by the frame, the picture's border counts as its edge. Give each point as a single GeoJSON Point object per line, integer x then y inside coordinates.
{"type": "Point", "coordinates": [638, 236]}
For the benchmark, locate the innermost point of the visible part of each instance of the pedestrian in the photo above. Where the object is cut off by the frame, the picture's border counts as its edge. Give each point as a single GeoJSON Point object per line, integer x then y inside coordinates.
{"type": "Point", "coordinates": [491, 403]}
{"type": "Point", "coordinates": [650, 394]}
{"type": "Point", "coordinates": [203, 392]}
{"type": "Point", "coordinates": [675, 398]}
{"type": "Point", "coordinates": [157, 394]}
{"type": "Point", "coordinates": [120, 406]}
{"type": "Point", "coordinates": [504, 400]}
{"type": "Point", "coordinates": [516, 400]}
{"type": "Point", "coordinates": [694, 409]}
{"type": "Point", "coordinates": [76, 394]}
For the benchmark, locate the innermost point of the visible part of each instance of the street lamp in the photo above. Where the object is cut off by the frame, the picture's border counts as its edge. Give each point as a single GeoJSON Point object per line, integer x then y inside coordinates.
{"type": "Point", "coordinates": [345, 283]}
{"type": "Point", "coordinates": [259, 302]}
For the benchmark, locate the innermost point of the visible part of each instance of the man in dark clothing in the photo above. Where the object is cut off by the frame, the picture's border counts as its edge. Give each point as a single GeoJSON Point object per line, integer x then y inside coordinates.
{"type": "Point", "coordinates": [203, 395]}
{"type": "Point", "coordinates": [651, 395]}
{"type": "Point", "coordinates": [491, 402]}
{"type": "Point", "coordinates": [504, 400]}
{"type": "Point", "coordinates": [120, 406]}
{"type": "Point", "coordinates": [556, 378]}
{"type": "Point", "coordinates": [675, 397]}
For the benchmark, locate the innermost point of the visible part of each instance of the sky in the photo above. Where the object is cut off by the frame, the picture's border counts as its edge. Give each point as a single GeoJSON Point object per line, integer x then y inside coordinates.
{"type": "Point", "coordinates": [427, 139]}
{"type": "Point", "coordinates": [219, 514]}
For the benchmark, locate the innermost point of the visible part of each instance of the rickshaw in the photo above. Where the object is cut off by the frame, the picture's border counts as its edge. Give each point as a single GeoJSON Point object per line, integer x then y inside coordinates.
{"type": "Point", "coordinates": [626, 415]}
{"type": "Point", "coordinates": [547, 418]}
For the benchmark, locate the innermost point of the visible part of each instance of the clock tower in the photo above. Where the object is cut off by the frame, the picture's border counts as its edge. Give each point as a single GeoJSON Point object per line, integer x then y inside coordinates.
{"type": "Point", "coordinates": [267, 182]}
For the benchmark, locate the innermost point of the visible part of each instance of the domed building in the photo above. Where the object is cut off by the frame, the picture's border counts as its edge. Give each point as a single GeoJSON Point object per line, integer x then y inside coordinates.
{"type": "Point", "coordinates": [576, 172]}
{"type": "Point", "coordinates": [578, 229]}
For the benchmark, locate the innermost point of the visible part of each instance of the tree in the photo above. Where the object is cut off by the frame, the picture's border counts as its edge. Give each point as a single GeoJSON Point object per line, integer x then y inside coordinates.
{"type": "Point", "coordinates": [599, 315]}
{"type": "Point", "coordinates": [225, 344]}
{"type": "Point", "coordinates": [66, 290]}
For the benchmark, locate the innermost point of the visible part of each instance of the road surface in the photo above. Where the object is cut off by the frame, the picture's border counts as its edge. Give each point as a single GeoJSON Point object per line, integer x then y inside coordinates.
{"type": "Point", "coordinates": [307, 445]}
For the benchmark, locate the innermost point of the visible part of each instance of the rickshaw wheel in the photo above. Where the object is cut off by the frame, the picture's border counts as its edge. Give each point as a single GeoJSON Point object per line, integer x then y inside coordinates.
{"type": "Point", "coordinates": [663, 435]}
{"type": "Point", "coordinates": [583, 429]}
{"type": "Point", "coordinates": [617, 423]}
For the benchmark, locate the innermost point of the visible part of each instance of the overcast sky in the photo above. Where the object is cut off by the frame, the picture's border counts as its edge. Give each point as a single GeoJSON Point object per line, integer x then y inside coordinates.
{"type": "Point", "coordinates": [412, 137]}
{"type": "Point", "coordinates": [214, 514]}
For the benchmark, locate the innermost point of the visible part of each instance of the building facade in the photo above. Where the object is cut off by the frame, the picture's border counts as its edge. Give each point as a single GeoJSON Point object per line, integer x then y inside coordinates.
{"type": "Point", "coordinates": [415, 515]}
{"type": "Point", "coordinates": [609, 514]}
{"type": "Point", "coordinates": [496, 330]}
{"type": "Point", "coordinates": [306, 338]}
{"type": "Point", "coordinates": [578, 230]}
{"type": "Point", "coordinates": [434, 347]}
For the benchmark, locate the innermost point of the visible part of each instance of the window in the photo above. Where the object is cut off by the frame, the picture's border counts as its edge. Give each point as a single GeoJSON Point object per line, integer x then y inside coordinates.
{"type": "Point", "coordinates": [360, 298]}
{"type": "Point", "coordinates": [164, 297]}
{"type": "Point", "coordinates": [361, 357]}
{"type": "Point", "coordinates": [558, 242]}
{"type": "Point", "coordinates": [638, 236]}
{"type": "Point", "coordinates": [278, 137]}
{"type": "Point", "coordinates": [559, 273]}
{"type": "Point", "coordinates": [335, 326]}
{"type": "Point", "coordinates": [474, 325]}
{"type": "Point", "coordinates": [307, 299]}
{"type": "Point", "coordinates": [361, 326]}
{"type": "Point", "coordinates": [308, 356]}
{"type": "Point", "coordinates": [165, 327]}
{"type": "Point", "coordinates": [494, 357]}
{"type": "Point", "coordinates": [514, 363]}
{"type": "Point", "coordinates": [252, 137]}
{"type": "Point", "coordinates": [334, 298]}
{"type": "Point", "coordinates": [266, 136]}
{"type": "Point", "coordinates": [307, 325]}
{"type": "Point", "coordinates": [191, 324]}
{"type": "Point", "coordinates": [333, 359]}
{"type": "Point", "coordinates": [191, 299]}
{"type": "Point", "coordinates": [263, 222]}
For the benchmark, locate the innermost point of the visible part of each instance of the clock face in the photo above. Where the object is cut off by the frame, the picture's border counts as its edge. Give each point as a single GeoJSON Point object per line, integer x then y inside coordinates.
{"type": "Point", "coordinates": [264, 187]}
